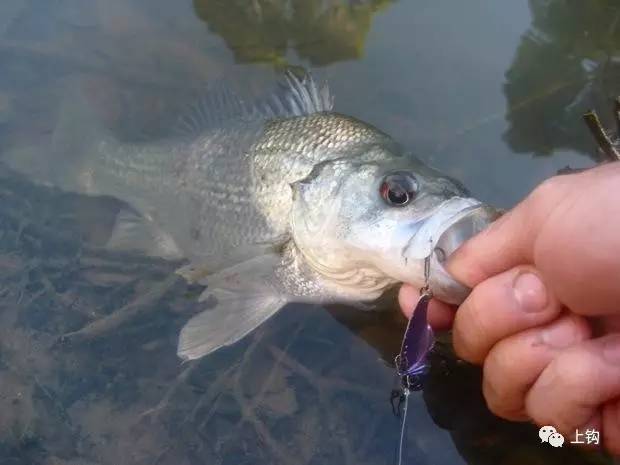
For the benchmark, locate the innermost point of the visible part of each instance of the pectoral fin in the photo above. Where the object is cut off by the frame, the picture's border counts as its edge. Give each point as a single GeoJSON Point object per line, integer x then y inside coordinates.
{"type": "Point", "coordinates": [135, 232]}
{"type": "Point", "coordinates": [199, 272]}
{"type": "Point", "coordinates": [247, 295]}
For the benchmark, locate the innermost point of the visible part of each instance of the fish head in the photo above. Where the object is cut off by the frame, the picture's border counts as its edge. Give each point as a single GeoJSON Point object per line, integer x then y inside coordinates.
{"type": "Point", "coordinates": [385, 215]}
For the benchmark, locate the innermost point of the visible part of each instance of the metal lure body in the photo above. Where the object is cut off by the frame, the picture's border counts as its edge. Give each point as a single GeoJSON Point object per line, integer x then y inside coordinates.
{"type": "Point", "coordinates": [418, 340]}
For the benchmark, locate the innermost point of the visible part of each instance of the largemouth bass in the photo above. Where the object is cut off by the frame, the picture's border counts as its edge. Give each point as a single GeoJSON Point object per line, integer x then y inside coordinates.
{"type": "Point", "coordinates": [280, 201]}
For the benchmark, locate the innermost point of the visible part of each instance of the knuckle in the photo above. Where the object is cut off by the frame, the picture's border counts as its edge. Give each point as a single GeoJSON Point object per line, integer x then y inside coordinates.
{"type": "Point", "coordinates": [575, 372]}
{"type": "Point", "coordinates": [581, 328]}
{"type": "Point", "coordinates": [545, 197]}
{"type": "Point", "coordinates": [470, 331]}
{"type": "Point", "coordinates": [495, 395]}
{"type": "Point", "coordinates": [554, 411]}
{"type": "Point", "coordinates": [501, 388]}
{"type": "Point", "coordinates": [561, 393]}
{"type": "Point", "coordinates": [495, 371]}
{"type": "Point", "coordinates": [548, 188]}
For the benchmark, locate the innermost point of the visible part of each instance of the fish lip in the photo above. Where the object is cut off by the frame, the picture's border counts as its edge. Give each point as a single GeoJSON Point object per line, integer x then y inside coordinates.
{"type": "Point", "coordinates": [450, 221]}
{"type": "Point", "coordinates": [488, 213]}
{"type": "Point", "coordinates": [452, 291]}
{"type": "Point", "coordinates": [426, 231]}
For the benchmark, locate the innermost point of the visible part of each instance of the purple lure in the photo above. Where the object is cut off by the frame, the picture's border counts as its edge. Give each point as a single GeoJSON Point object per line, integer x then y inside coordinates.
{"type": "Point", "coordinates": [411, 362]}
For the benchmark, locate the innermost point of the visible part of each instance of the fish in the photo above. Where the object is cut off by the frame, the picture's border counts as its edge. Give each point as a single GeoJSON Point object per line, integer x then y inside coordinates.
{"type": "Point", "coordinates": [269, 201]}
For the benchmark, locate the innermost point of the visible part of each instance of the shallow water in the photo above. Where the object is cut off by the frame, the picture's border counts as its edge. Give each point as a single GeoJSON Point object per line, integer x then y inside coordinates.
{"type": "Point", "coordinates": [489, 92]}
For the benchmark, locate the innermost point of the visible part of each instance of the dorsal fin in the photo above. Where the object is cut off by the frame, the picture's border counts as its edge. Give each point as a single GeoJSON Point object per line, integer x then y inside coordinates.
{"type": "Point", "coordinates": [220, 105]}
{"type": "Point", "coordinates": [299, 96]}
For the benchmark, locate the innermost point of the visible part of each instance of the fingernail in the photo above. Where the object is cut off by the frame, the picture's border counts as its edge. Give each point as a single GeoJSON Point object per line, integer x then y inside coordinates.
{"type": "Point", "coordinates": [561, 334]}
{"type": "Point", "coordinates": [530, 292]}
{"type": "Point", "coordinates": [611, 349]}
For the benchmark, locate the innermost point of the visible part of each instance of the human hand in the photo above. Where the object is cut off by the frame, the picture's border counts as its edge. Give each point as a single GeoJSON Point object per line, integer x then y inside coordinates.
{"type": "Point", "coordinates": [543, 317]}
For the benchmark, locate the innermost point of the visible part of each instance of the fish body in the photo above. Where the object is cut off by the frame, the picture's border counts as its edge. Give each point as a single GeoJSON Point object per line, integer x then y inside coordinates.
{"type": "Point", "coordinates": [280, 201]}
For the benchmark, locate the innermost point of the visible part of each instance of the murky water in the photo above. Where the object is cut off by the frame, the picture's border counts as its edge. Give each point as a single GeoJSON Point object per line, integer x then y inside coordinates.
{"type": "Point", "coordinates": [489, 92]}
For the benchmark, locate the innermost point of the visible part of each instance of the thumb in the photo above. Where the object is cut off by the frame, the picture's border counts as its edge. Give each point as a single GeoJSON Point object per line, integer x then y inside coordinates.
{"type": "Point", "coordinates": [509, 241]}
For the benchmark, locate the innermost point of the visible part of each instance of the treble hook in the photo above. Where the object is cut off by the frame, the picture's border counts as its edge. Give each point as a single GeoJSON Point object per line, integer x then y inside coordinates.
{"type": "Point", "coordinates": [426, 289]}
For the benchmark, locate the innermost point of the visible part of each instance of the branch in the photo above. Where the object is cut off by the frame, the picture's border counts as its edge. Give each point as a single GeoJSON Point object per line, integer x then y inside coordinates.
{"type": "Point", "coordinates": [602, 139]}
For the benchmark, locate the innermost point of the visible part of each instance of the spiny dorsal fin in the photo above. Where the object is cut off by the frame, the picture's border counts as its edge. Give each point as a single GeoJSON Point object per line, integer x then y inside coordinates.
{"type": "Point", "coordinates": [220, 106]}
{"type": "Point", "coordinates": [299, 96]}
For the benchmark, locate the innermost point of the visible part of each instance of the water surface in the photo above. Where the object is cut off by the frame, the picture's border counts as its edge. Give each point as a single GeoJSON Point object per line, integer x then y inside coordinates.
{"type": "Point", "coordinates": [489, 92]}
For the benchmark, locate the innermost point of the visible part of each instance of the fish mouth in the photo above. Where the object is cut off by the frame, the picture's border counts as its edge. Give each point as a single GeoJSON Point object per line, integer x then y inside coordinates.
{"type": "Point", "coordinates": [459, 228]}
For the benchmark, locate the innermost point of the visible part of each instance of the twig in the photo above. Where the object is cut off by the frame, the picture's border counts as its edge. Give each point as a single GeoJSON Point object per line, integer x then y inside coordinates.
{"type": "Point", "coordinates": [322, 383]}
{"type": "Point", "coordinates": [601, 137]}
{"type": "Point", "coordinates": [248, 411]}
{"type": "Point", "coordinates": [617, 114]}
{"type": "Point", "coordinates": [55, 403]}
{"type": "Point", "coordinates": [277, 365]}
{"type": "Point", "coordinates": [104, 325]}
{"type": "Point", "coordinates": [249, 415]}
{"type": "Point", "coordinates": [164, 401]}
{"type": "Point", "coordinates": [568, 170]}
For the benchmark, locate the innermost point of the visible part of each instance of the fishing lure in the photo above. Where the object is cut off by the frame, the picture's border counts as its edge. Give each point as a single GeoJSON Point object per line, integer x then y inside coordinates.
{"type": "Point", "coordinates": [412, 361]}
{"type": "Point", "coordinates": [418, 340]}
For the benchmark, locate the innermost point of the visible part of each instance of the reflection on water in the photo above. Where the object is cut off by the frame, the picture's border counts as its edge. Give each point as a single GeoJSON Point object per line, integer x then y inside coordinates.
{"type": "Point", "coordinates": [322, 32]}
{"type": "Point", "coordinates": [310, 387]}
{"type": "Point", "coordinates": [568, 60]}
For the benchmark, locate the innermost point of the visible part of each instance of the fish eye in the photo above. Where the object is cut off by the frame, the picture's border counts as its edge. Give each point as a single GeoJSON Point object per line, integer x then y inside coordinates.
{"type": "Point", "coordinates": [398, 189]}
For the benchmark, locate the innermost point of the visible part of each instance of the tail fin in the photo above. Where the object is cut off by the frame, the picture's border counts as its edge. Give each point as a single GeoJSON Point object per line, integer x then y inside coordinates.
{"type": "Point", "coordinates": [68, 160]}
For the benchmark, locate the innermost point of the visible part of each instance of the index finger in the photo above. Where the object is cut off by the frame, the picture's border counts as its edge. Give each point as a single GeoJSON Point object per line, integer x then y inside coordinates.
{"type": "Point", "coordinates": [510, 240]}
{"type": "Point", "coordinates": [567, 229]}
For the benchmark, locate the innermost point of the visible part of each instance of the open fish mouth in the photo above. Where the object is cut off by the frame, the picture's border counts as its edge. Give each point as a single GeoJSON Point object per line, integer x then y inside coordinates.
{"type": "Point", "coordinates": [459, 228]}
{"type": "Point", "coordinates": [462, 227]}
